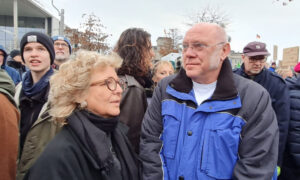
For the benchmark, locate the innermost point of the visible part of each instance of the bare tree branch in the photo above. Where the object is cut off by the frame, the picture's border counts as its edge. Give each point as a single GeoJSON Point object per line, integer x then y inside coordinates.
{"type": "Point", "coordinates": [209, 14]}
{"type": "Point", "coordinates": [90, 35]}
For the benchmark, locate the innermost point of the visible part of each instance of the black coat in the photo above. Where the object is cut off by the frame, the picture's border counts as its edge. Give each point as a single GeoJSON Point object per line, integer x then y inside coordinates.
{"type": "Point", "coordinates": [279, 93]}
{"type": "Point", "coordinates": [291, 162]}
{"type": "Point", "coordinates": [65, 158]}
{"type": "Point", "coordinates": [133, 107]}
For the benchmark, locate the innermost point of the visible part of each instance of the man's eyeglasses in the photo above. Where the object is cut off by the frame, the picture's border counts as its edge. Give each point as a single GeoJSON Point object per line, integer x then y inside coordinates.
{"type": "Point", "coordinates": [199, 46]}
{"type": "Point", "coordinates": [111, 83]}
{"type": "Point", "coordinates": [57, 44]}
{"type": "Point", "coordinates": [254, 59]}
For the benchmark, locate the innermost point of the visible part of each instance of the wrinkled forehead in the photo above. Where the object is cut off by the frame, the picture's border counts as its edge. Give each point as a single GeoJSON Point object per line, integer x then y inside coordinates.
{"type": "Point", "coordinates": [198, 35]}
{"type": "Point", "coordinates": [61, 41]}
{"type": "Point", "coordinates": [33, 44]}
{"type": "Point", "coordinates": [209, 33]}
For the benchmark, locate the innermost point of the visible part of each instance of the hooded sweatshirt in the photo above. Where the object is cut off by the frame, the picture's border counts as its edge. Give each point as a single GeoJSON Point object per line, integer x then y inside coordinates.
{"type": "Point", "coordinates": [15, 76]}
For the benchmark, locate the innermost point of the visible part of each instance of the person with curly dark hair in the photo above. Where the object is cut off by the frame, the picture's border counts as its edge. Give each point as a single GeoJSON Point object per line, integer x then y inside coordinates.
{"type": "Point", "coordinates": [134, 47]}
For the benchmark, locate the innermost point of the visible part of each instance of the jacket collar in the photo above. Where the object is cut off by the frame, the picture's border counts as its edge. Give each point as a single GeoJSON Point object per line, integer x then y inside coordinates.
{"type": "Point", "coordinates": [257, 76]}
{"type": "Point", "coordinates": [225, 88]}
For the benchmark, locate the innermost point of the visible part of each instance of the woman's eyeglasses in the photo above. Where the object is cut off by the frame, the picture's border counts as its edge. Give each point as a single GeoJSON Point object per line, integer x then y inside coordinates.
{"type": "Point", "coordinates": [111, 83]}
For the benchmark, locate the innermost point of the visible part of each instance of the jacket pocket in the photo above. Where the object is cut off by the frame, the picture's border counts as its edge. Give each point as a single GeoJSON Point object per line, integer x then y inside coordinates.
{"type": "Point", "coordinates": [171, 125]}
{"type": "Point", "coordinates": [220, 151]}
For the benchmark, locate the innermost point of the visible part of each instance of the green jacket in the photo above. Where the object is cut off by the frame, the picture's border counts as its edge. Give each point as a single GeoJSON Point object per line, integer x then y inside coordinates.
{"type": "Point", "coordinates": [42, 131]}
{"type": "Point", "coordinates": [7, 86]}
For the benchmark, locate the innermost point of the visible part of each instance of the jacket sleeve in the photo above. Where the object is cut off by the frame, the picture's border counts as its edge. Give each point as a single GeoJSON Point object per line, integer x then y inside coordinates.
{"type": "Point", "coordinates": [151, 144]}
{"type": "Point", "coordinates": [293, 143]}
{"type": "Point", "coordinates": [133, 107]}
{"type": "Point", "coordinates": [9, 138]}
{"type": "Point", "coordinates": [281, 105]}
{"type": "Point", "coordinates": [56, 165]}
{"type": "Point", "coordinates": [258, 149]}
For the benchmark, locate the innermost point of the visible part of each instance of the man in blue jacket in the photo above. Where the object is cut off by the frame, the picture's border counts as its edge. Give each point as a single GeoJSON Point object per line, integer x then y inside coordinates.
{"type": "Point", "coordinates": [253, 67]}
{"type": "Point", "coordinates": [207, 123]}
{"type": "Point", "coordinates": [10, 71]}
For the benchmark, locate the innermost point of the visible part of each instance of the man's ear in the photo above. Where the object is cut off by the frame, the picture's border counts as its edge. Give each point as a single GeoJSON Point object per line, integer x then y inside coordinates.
{"type": "Point", "coordinates": [243, 57]}
{"type": "Point", "coordinates": [225, 51]}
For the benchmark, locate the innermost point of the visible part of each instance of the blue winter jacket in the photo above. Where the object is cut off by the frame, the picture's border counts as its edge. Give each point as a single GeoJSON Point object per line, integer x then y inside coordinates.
{"type": "Point", "coordinates": [10, 71]}
{"type": "Point", "coordinates": [232, 135]}
{"type": "Point", "coordinates": [279, 93]}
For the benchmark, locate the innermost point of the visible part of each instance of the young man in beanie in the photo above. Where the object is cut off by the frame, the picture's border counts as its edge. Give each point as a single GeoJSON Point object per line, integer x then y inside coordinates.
{"type": "Point", "coordinates": [36, 129]}
{"type": "Point", "coordinates": [253, 67]}
{"type": "Point", "coordinates": [14, 60]}
{"type": "Point", "coordinates": [63, 49]}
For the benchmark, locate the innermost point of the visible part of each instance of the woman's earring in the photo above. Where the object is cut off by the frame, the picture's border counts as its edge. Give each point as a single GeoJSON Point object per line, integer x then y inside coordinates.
{"type": "Point", "coordinates": [83, 104]}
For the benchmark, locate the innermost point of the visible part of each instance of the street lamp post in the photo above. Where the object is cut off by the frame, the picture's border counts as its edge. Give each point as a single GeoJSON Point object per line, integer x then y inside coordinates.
{"type": "Point", "coordinates": [15, 24]}
{"type": "Point", "coordinates": [62, 19]}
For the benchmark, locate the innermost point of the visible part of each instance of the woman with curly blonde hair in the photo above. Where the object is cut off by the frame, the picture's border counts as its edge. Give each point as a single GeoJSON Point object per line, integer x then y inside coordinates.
{"type": "Point", "coordinates": [85, 95]}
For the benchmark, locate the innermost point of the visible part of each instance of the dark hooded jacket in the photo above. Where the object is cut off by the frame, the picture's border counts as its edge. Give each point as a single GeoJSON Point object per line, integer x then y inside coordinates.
{"type": "Point", "coordinates": [10, 71]}
{"type": "Point", "coordinates": [291, 162]}
{"type": "Point", "coordinates": [19, 67]}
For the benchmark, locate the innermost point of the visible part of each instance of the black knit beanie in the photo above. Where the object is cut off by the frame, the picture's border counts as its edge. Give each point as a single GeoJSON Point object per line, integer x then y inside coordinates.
{"type": "Point", "coordinates": [40, 38]}
{"type": "Point", "coordinates": [14, 53]}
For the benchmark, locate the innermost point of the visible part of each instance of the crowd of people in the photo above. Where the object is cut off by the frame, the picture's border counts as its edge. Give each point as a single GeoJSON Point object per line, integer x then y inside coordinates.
{"type": "Point", "coordinates": [86, 115]}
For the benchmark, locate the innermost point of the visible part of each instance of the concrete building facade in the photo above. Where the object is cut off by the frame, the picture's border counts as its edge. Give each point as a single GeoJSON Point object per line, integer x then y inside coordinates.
{"type": "Point", "coordinates": [31, 16]}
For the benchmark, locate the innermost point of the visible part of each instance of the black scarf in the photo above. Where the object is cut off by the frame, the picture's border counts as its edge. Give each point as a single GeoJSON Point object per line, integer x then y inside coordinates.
{"type": "Point", "coordinates": [31, 89]}
{"type": "Point", "coordinates": [91, 129]}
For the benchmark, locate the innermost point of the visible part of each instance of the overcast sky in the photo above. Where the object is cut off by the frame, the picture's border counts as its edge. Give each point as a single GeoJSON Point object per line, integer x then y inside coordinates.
{"type": "Point", "coordinates": [275, 23]}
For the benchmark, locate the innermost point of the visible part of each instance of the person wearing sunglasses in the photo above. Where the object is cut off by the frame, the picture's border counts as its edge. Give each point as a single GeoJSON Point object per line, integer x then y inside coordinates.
{"type": "Point", "coordinates": [85, 97]}
{"type": "Point", "coordinates": [254, 58]}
